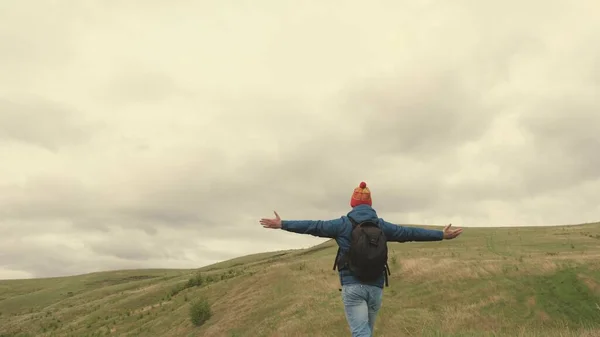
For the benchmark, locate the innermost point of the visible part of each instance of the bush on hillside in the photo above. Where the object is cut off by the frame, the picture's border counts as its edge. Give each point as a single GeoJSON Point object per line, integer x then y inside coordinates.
{"type": "Point", "coordinates": [200, 312]}
{"type": "Point", "coordinates": [195, 281]}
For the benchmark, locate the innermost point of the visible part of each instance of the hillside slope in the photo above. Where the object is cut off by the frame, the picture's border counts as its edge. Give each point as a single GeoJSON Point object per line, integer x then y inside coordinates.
{"type": "Point", "coordinates": [534, 281]}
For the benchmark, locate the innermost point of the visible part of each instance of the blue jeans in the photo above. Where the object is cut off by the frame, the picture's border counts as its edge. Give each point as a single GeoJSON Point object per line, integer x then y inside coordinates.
{"type": "Point", "coordinates": [361, 304]}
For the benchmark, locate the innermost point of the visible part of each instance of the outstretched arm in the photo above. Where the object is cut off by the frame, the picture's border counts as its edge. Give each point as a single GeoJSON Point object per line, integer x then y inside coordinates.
{"type": "Point", "coordinates": [405, 234]}
{"type": "Point", "coordinates": [326, 229]}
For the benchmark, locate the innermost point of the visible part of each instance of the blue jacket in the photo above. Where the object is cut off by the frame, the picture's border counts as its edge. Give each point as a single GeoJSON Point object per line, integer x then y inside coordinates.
{"type": "Point", "coordinates": [341, 230]}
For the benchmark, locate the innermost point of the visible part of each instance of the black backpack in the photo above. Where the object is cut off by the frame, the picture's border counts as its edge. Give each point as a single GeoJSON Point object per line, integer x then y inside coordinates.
{"type": "Point", "coordinates": [368, 254]}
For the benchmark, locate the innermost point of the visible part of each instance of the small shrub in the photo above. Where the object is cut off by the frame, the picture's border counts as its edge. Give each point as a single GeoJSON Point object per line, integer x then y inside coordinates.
{"type": "Point", "coordinates": [200, 312]}
{"type": "Point", "coordinates": [174, 291]}
{"type": "Point", "coordinates": [195, 281]}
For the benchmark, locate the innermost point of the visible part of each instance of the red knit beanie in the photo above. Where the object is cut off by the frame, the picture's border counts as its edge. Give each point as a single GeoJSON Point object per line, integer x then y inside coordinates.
{"type": "Point", "coordinates": [361, 195]}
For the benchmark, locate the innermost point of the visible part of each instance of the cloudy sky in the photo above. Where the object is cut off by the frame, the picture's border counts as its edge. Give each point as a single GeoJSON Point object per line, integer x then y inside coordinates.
{"type": "Point", "coordinates": [139, 134]}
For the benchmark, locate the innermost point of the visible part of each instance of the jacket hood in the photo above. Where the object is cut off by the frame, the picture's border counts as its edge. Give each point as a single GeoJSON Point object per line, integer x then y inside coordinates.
{"type": "Point", "coordinates": [362, 213]}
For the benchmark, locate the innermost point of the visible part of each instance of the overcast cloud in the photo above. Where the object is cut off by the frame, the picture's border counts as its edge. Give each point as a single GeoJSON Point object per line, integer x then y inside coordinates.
{"type": "Point", "coordinates": [156, 134]}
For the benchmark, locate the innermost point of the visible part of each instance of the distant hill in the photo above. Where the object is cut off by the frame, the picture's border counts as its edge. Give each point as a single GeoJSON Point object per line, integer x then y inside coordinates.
{"type": "Point", "coordinates": [519, 281]}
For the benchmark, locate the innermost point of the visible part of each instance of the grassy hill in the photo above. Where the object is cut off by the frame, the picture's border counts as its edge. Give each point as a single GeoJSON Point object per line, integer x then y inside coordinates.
{"type": "Point", "coordinates": [533, 281]}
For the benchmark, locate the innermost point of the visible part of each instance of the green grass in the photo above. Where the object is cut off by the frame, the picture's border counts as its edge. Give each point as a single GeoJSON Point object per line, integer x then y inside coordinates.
{"type": "Point", "coordinates": [526, 281]}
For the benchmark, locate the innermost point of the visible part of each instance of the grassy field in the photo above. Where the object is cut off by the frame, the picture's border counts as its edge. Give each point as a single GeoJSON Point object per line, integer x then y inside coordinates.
{"type": "Point", "coordinates": [527, 281]}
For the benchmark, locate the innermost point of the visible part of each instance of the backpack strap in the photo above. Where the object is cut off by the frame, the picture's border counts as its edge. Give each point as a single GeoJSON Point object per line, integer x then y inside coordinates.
{"type": "Point", "coordinates": [386, 272]}
{"type": "Point", "coordinates": [354, 223]}
{"type": "Point", "coordinates": [337, 255]}
{"type": "Point", "coordinates": [336, 258]}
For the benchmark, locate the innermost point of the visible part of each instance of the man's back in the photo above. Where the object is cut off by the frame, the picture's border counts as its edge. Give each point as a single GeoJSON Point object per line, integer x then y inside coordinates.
{"type": "Point", "coordinates": [359, 214]}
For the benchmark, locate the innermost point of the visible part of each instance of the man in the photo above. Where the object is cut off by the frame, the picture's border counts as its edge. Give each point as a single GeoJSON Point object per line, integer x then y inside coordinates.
{"type": "Point", "coordinates": [362, 300]}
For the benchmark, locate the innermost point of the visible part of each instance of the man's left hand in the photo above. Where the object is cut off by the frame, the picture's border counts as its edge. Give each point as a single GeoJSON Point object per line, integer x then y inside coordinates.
{"type": "Point", "coordinates": [450, 234]}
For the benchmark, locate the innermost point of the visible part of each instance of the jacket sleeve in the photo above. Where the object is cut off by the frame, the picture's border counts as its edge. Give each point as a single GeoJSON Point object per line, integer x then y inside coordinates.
{"type": "Point", "coordinates": [399, 233]}
{"type": "Point", "coordinates": [325, 229]}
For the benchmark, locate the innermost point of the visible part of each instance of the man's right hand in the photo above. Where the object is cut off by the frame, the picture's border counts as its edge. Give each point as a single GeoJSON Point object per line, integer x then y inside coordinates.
{"type": "Point", "coordinates": [450, 234]}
